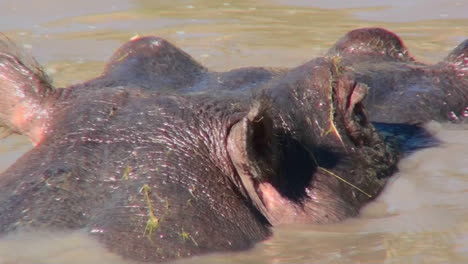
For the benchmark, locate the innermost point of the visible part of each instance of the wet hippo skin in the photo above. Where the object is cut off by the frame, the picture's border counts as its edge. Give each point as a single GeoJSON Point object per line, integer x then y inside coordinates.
{"type": "Point", "coordinates": [160, 158]}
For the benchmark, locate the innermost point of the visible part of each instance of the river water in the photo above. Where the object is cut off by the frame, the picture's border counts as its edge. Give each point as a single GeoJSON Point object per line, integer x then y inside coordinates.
{"type": "Point", "coordinates": [422, 217]}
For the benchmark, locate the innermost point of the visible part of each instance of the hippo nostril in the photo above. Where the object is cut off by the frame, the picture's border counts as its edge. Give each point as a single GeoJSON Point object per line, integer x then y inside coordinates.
{"type": "Point", "coordinates": [360, 114]}
{"type": "Point", "coordinates": [349, 96]}
{"type": "Point", "coordinates": [357, 122]}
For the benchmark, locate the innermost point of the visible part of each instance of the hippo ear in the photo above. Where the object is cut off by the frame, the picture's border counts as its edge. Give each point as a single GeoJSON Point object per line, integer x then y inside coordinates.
{"type": "Point", "coordinates": [459, 58]}
{"type": "Point", "coordinates": [153, 63]}
{"type": "Point", "coordinates": [25, 90]}
{"type": "Point", "coordinates": [252, 145]}
{"type": "Point", "coordinates": [371, 43]}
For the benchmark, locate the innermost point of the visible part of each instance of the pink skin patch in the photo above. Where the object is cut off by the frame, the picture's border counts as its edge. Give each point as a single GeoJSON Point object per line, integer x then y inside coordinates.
{"type": "Point", "coordinates": [22, 111]}
{"type": "Point", "coordinates": [280, 209]}
{"type": "Point", "coordinates": [35, 132]}
{"type": "Point", "coordinates": [28, 119]}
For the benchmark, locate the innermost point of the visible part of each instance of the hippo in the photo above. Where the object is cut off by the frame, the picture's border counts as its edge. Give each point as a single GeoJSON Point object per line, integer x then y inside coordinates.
{"type": "Point", "coordinates": [160, 158]}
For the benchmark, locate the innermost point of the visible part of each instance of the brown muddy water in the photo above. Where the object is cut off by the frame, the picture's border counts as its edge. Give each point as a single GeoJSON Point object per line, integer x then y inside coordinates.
{"type": "Point", "coordinates": [422, 217]}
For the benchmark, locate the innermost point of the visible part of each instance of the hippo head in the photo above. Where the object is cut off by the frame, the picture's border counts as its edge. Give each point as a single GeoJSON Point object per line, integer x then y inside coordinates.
{"type": "Point", "coordinates": [307, 144]}
{"type": "Point", "coordinates": [160, 153]}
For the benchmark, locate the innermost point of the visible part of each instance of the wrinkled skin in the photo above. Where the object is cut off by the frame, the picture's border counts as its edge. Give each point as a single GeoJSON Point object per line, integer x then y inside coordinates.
{"type": "Point", "coordinates": [404, 90]}
{"type": "Point", "coordinates": [160, 158]}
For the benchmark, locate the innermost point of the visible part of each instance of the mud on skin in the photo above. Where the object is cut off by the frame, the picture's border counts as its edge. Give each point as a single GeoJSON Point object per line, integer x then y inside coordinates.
{"type": "Point", "coordinates": [160, 158]}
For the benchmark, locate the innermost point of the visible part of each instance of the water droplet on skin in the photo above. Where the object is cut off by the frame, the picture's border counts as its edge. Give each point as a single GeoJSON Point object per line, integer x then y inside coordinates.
{"type": "Point", "coordinates": [155, 43]}
{"type": "Point", "coordinates": [453, 117]}
{"type": "Point", "coordinates": [465, 112]}
{"type": "Point", "coordinates": [321, 104]}
{"type": "Point", "coordinates": [96, 231]}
